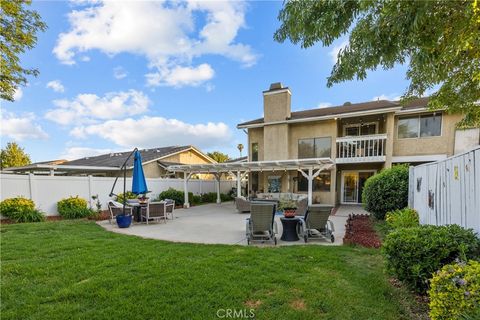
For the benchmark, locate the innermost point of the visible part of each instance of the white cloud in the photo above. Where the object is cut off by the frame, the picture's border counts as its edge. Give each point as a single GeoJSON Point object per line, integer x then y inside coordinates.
{"type": "Point", "coordinates": [72, 153]}
{"type": "Point", "coordinates": [20, 127]}
{"type": "Point", "coordinates": [56, 85]}
{"type": "Point", "coordinates": [324, 105]}
{"type": "Point", "coordinates": [149, 132]}
{"type": "Point", "coordinates": [18, 94]}
{"type": "Point", "coordinates": [119, 73]}
{"type": "Point", "coordinates": [86, 108]}
{"type": "Point", "coordinates": [169, 34]}
{"type": "Point", "coordinates": [390, 97]}
{"type": "Point", "coordinates": [335, 50]}
{"type": "Point", "coordinates": [85, 58]}
{"type": "Point", "coordinates": [181, 76]}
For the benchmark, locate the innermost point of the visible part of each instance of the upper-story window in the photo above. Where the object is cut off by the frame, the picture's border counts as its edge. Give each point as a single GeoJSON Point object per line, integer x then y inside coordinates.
{"type": "Point", "coordinates": [315, 148]}
{"type": "Point", "coordinates": [255, 151]}
{"type": "Point", "coordinates": [429, 125]}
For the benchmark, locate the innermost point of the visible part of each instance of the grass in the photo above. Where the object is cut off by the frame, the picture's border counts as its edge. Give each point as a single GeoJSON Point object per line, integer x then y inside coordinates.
{"type": "Point", "coordinates": [75, 269]}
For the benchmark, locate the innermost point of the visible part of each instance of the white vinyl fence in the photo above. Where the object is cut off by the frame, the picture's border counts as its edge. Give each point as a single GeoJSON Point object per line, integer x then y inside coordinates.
{"type": "Point", "coordinates": [46, 191]}
{"type": "Point", "coordinates": [448, 191]}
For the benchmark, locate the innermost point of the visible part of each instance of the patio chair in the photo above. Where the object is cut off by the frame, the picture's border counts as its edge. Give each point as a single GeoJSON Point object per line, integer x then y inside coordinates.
{"type": "Point", "coordinates": [315, 224]}
{"type": "Point", "coordinates": [155, 211]}
{"type": "Point", "coordinates": [262, 225]}
{"type": "Point", "coordinates": [302, 206]}
{"type": "Point", "coordinates": [170, 207]}
{"type": "Point", "coordinates": [242, 204]}
{"type": "Point", "coordinates": [115, 208]}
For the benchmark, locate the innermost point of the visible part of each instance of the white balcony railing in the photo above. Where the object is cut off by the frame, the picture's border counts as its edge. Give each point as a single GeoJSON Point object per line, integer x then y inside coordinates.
{"type": "Point", "coordinates": [369, 148]}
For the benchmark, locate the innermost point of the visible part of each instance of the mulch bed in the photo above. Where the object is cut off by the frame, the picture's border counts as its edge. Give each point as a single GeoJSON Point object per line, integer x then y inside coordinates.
{"type": "Point", "coordinates": [104, 215]}
{"type": "Point", "coordinates": [359, 230]}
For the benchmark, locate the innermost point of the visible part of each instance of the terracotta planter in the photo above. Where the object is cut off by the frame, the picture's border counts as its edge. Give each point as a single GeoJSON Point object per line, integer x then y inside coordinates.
{"type": "Point", "coordinates": [289, 213]}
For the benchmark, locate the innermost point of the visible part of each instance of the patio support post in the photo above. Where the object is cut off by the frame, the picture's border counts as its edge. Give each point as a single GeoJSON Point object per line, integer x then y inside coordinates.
{"type": "Point", "coordinates": [310, 176]}
{"type": "Point", "coordinates": [186, 177]}
{"type": "Point", "coordinates": [239, 184]}
{"type": "Point", "coordinates": [217, 185]}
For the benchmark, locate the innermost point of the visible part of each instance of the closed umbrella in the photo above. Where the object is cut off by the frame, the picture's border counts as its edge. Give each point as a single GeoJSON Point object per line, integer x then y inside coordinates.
{"type": "Point", "coordinates": [139, 185]}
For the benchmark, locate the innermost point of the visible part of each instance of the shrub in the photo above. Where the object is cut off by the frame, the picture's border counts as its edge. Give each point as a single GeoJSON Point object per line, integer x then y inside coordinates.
{"type": "Point", "coordinates": [196, 199]}
{"type": "Point", "coordinates": [455, 291]}
{"type": "Point", "coordinates": [386, 191]}
{"type": "Point", "coordinates": [20, 209]}
{"type": "Point", "coordinates": [226, 197]}
{"type": "Point", "coordinates": [404, 218]}
{"type": "Point", "coordinates": [176, 195]}
{"type": "Point", "coordinates": [209, 197]}
{"type": "Point", "coordinates": [413, 254]}
{"type": "Point", "coordinates": [128, 195]}
{"type": "Point", "coordinates": [73, 208]}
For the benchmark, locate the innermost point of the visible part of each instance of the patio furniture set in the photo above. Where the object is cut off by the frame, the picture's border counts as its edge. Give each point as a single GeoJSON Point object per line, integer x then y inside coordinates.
{"type": "Point", "coordinates": [143, 211]}
{"type": "Point", "coordinates": [309, 222]}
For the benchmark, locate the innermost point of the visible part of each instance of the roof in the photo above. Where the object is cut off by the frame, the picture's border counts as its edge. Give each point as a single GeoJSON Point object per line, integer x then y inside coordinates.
{"type": "Point", "coordinates": [117, 159]}
{"type": "Point", "coordinates": [347, 108]}
{"type": "Point", "coordinates": [241, 159]}
{"type": "Point", "coordinates": [278, 165]}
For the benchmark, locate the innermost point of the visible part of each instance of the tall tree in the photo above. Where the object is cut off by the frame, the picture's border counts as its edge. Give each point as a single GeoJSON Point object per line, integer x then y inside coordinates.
{"type": "Point", "coordinates": [18, 32]}
{"type": "Point", "coordinates": [439, 40]}
{"type": "Point", "coordinates": [240, 148]}
{"type": "Point", "coordinates": [218, 156]}
{"type": "Point", "coordinates": [13, 156]}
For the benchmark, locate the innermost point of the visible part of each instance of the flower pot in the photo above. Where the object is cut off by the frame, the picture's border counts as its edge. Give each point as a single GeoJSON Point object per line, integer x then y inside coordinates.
{"type": "Point", "coordinates": [124, 221]}
{"type": "Point", "coordinates": [289, 213]}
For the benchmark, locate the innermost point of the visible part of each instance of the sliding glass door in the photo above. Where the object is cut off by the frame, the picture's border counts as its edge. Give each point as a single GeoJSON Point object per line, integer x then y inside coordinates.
{"type": "Point", "coordinates": [352, 185]}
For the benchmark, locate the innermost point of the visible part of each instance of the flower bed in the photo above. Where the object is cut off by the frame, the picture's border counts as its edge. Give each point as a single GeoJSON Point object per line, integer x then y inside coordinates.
{"type": "Point", "coordinates": [359, 230]}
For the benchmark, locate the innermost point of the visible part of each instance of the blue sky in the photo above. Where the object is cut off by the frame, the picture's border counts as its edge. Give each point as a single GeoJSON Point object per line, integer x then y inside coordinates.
{"type": "Point", "coordinates": [118, 75]}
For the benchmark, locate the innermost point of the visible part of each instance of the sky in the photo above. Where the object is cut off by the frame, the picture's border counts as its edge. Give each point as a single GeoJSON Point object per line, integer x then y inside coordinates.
{"type": "Point", "coordinates": [119, 75]}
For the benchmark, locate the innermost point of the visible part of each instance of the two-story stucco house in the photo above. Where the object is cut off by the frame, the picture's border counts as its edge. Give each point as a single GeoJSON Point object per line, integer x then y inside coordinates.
{"type": "Point", "coordinates": [361, 138]}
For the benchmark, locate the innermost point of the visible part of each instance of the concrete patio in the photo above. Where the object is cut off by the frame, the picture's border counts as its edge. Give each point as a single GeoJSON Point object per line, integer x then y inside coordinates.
{"type": "Point", "coordinates": [219, 224]}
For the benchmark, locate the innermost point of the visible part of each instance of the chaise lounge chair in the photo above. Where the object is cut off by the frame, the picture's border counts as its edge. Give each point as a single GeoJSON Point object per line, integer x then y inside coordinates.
{"type": "Point", "coordinates": [242, 204]}
{"type": "Point", "coordinates": [302, 206]}
{"type": "Point", "coordinates": [315, 224]}
{"type": "Point", "coordinates": [261, 225]}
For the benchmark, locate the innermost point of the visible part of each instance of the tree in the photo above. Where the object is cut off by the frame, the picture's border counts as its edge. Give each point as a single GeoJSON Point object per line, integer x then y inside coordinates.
{"type": "Point", "coordinates": [18, 32]}
{"type": "Point", "coordinates": [218, 156]}
{"type": "Point", "coordinates": [13, 156]}
{"type": "Point", "coordinates": [439, 40]}
{"type": "Point", "coordinates": [240, 148]}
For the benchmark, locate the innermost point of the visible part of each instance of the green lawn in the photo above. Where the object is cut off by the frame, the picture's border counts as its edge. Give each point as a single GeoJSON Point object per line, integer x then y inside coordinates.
{"type": "Point", "coordinates": [76, 270]}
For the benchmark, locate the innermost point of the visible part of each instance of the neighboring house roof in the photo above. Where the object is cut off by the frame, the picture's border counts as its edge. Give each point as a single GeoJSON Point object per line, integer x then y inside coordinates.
{"type": "Point", "coordinates": [236, 160]}
{"type": "Point", "coordinates": [346, 109]}
{"type": "Point", "coordinates": [116, 159]}
{"type": "Point", "coordinates": [52, 162]}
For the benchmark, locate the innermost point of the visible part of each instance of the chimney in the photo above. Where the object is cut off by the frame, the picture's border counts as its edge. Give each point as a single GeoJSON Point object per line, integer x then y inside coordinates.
{"type": "Point", "coordinates": [276, 103]}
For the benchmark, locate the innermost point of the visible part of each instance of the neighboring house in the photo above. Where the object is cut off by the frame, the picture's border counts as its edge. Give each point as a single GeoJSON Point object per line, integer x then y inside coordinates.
{"type": "Point", "coordinates": [361, 138]}
{"type": "Point", "coordinates": [155, 161]}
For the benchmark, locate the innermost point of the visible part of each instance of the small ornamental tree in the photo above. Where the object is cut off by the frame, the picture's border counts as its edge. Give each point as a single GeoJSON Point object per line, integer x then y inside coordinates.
{"type": "Point", "coordinates": [386, 191]}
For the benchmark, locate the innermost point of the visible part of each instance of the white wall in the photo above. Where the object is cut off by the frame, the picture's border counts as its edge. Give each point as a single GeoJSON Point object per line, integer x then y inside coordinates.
{"type": "Point", "coordinates": [46, 191]}
{"type": "Point", "coordinates": [466, 139]}
{"type": "Point", "coordinates": [448, 191]}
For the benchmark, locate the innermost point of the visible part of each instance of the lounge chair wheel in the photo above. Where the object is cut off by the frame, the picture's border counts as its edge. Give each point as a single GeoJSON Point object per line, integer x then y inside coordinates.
{"type": "Point", "coordinates": [305, 238]}
{"type": "Point", "coordinates": [332, 238]}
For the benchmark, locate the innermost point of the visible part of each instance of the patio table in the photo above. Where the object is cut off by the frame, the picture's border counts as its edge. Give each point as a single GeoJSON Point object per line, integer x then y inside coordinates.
{"type": "Point", "coordinates": [289, 232]}
{"type": "Point", "coordinates": [138, 210]}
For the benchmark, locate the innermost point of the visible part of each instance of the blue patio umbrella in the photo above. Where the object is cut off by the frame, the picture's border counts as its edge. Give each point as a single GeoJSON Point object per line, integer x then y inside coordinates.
{"type": "Point", "coordinates": [139, 185]}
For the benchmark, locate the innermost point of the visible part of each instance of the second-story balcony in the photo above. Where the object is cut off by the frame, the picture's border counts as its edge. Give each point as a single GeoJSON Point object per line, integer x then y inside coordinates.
{"type": "Point", "coordinates": [354, 149]}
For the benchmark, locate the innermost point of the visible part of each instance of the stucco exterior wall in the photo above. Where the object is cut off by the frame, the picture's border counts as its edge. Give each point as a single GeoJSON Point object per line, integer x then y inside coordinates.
{"type": "Point", "coordinates": [255, 135]}
{"type": "Point", "coordinates": [317, 129]}
{"type": "Point", "coordinates": [443, 144]}
{"type": "Point", "coordinates": [275, 138]}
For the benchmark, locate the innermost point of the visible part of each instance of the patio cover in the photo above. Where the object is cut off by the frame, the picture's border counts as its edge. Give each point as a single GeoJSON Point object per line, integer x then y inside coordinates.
{"type": "Point", "coordinates": [309, 168]}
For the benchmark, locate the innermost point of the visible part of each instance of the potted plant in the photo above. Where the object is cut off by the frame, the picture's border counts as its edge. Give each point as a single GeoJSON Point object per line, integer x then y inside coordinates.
{"type": "Point", "coordinates": [288, 206]}
{"type": "Point", "coordinates": [143, 199]}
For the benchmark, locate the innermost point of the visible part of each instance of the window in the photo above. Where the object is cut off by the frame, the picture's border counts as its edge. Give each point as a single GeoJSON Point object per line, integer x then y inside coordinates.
{"type": "Point", "coordinates": [420, 126]}
{"type": "Point", "coordinates": [314, 148]}
{"type": "Point", "coordinates": [274, 184]}
{"type": "Point", "coordinates": [255, 151]}
{"type": "Point", "coordinates": [254, 176]}
{"type": "Point", "coordinates": [320, 183]}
